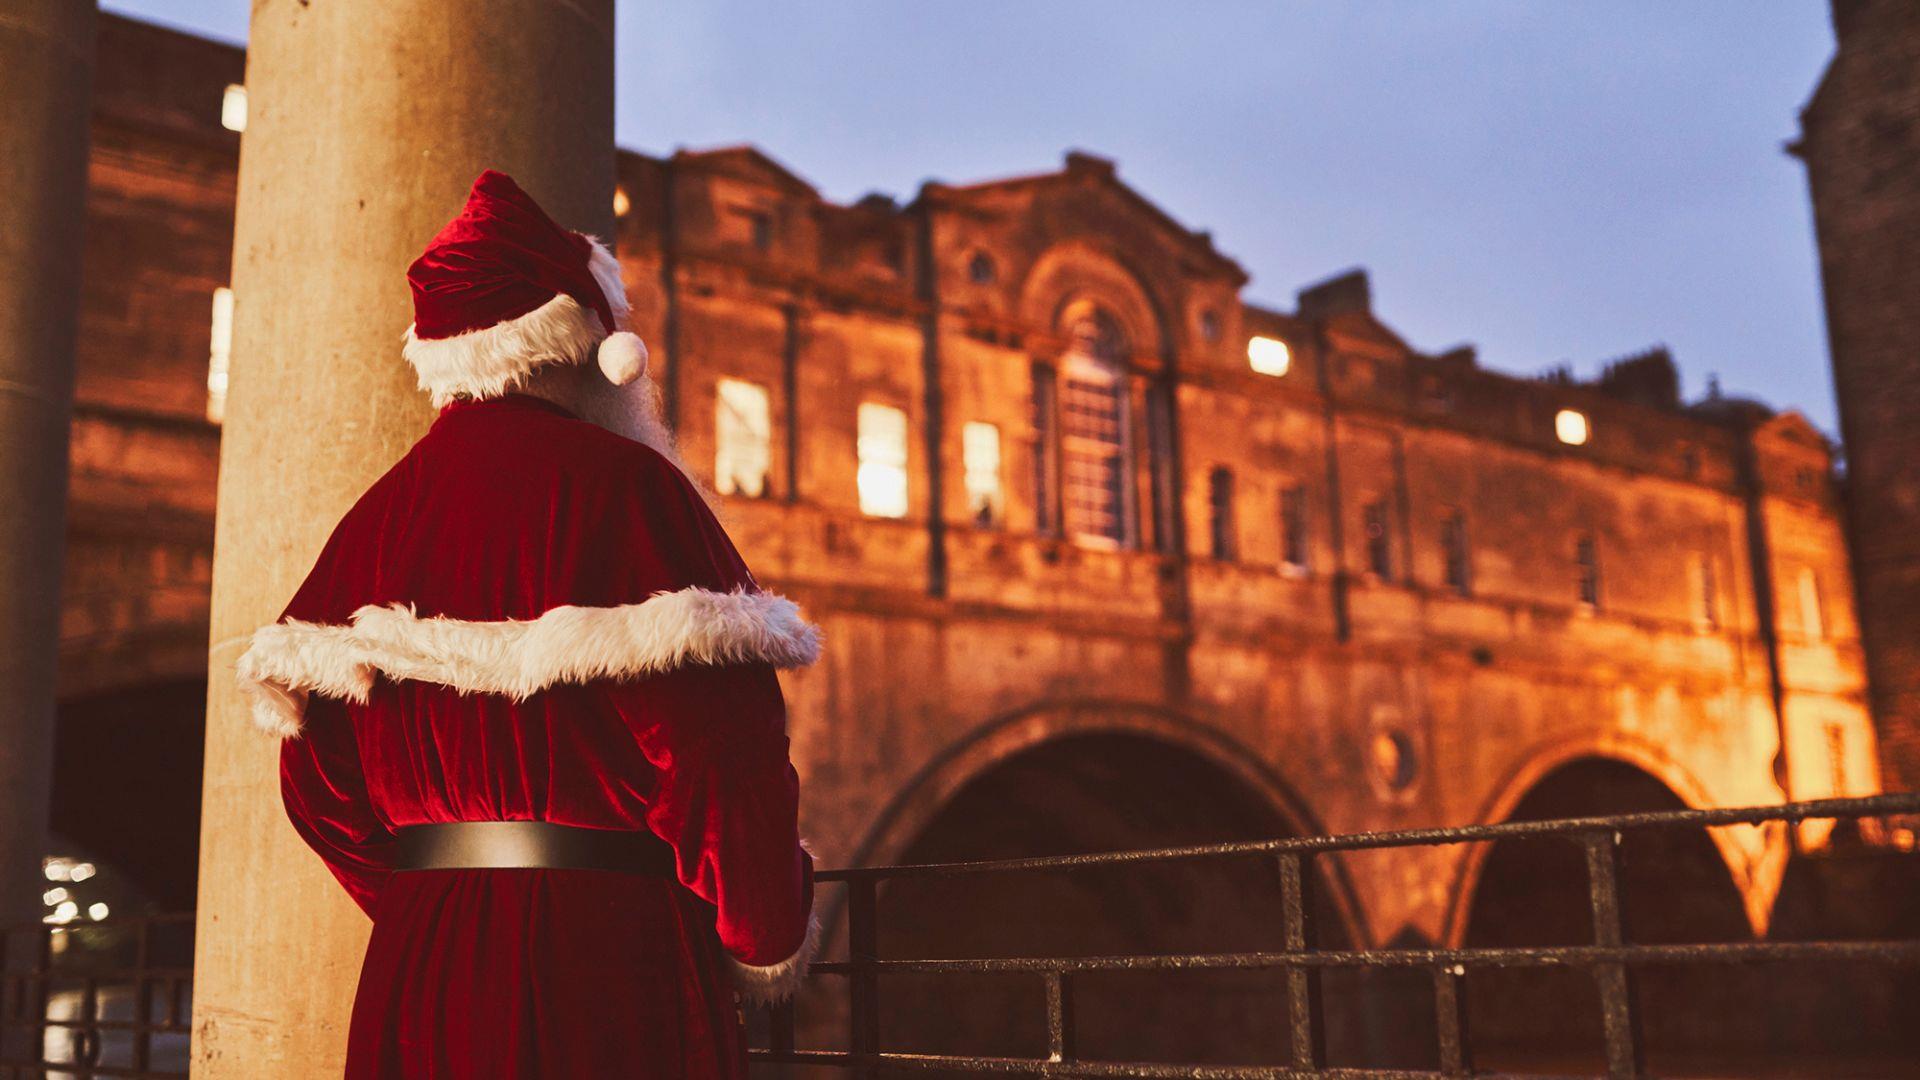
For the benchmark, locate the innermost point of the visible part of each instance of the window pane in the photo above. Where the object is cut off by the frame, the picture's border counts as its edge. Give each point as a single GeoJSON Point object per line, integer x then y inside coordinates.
{"type": "Point", "coordinates": [219, 353]}
{"type": "Point", "coordinates": [1220, 512]}
{"type": "Point", "coordinates": [882, 448]}
{"type": "Point", "coordinates": [980, 457]}
{"type": "Point", "coordinates": [1379, 544]}
{"type": "Point", "coordinates": [1812, 624]}
{"type": "Point", "coordinates": [742, 438]}
{"type": "Point", "coordinates": [1453, 545]}
{"type": "Point", "coordinates": [233, 108]}
{"type": "Point", "coordinates": [1587, 553]}
{"type": "Point", "coordinates": [1706, 592]}
{"type": "Point", "coordinates": [1293, 528]}
{"type": "Point", "coordinates": [1093, 434]}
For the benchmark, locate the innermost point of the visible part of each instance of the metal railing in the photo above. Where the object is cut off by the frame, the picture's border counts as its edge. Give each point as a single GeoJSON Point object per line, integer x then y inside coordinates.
{"type": "Point", "coordinates": [1609, 958]}
{"type": "Point", "coordinates": [120, 1008]}
{"type": "Point", "coordinates": [101, 999]}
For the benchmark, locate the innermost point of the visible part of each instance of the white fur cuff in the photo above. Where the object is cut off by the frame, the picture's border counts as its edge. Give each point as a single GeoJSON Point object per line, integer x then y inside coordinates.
{"type": "Point", "coordinates": [774, 983]}
{"type": "Point", "coordinates": [517, 657]}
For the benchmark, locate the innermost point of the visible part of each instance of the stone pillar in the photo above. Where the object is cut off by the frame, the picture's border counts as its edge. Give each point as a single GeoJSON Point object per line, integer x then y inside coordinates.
{"type": "Point", "coordinates": [367, 121]}
{"type": "Point", "coordinates": [46, 77]}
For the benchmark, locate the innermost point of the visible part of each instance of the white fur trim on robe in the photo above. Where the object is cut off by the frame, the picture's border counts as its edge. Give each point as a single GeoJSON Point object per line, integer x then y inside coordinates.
{"type": "Point", "coordinates": [773, 983]}
{"type": "Point", "coordinates": [517, 657]}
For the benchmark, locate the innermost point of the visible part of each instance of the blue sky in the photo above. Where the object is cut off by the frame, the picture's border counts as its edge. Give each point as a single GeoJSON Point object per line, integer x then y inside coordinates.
{"type": "Point", "coordinates": [1551, 181]}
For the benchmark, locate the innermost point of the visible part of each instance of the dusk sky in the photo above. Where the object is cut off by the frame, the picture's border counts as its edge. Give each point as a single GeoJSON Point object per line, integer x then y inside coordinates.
{"type": "Point", "coordinates": [1552, 182]}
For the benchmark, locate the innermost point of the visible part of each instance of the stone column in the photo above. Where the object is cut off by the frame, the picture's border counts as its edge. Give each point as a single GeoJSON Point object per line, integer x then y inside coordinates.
{"type": "Point", "coordinates": [367, 121]}
{"type": "Point", "coordinates": [46, 78]}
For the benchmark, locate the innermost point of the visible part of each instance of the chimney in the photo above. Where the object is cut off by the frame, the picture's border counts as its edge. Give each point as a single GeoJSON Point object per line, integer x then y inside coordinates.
{"type": "Point", "coordinates": [1849, 16]}
{"type": "Point", "coordinates": [1340, 295]}
{"type": "Point", "coordinates": [1081, 163]}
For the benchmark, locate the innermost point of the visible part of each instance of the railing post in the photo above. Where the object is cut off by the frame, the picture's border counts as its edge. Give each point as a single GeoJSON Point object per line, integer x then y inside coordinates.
{"type": "Point", "coordinates": [780, 1027]}
{"type": "Point", "coordinates": [1619, 1002]}
{"type": "Point", "coordinates": [143, 999]}
{"type": "Point", "coordinates": [1306, 1027]}
{"type": "Point", "coordinates": [42, 988]}
{"type": "Point", "coordinates": [1450, 1017]}
{"type": "Point", "coordinates": [1060, 1037]}
{"type": "Point", "coordinates": [86, 1036]}
{"type": "Point", "coordinates": [863, 947]}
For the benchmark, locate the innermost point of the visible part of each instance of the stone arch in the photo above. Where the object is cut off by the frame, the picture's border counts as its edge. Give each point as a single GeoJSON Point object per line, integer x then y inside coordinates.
{"type": "Point", "coordinates": [932, 786]}
{"type": "Point", "coordinates": [1676, 888]}
{"type": "Point", "coordinates": [1084, 777]}
{"type": "Point", "coordinates": [1741, 848]}
{"type": "Point", "coordinates": [1077, 272]}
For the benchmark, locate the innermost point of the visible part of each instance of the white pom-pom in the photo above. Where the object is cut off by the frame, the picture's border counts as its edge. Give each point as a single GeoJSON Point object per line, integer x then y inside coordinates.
{"type": "Point", "coordinates": [623, 357]}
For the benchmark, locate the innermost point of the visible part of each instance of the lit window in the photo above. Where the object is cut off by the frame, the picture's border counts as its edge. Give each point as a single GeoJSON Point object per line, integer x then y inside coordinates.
{"type": "Point", "coordinates": [742, 438]}
{"type": "Point", "coordinates": [1269, 356]}
{"type": "Point", "coordinates": [1373, 518]}
{"type": "Point", "coordinates": [1293, 527]}
{"type": "Point", "coordinates": [1587, 555]}
{"type": "Point", "coordinates": [1812, 623]}
{"type": "Point", "coordinates": [1093, 434]}
{"type": "Point", "coordinates": [1453, 552]}
{"type": "Point", "coordinates": [219, 354]}
{"type": "Point", "coordinates": [233, 108]}
{"type": "Point", "coordinates": [1570, 427]}
{"type": "Point", "coordinates": [1706, 593]}
{"type": "Point", "coordinates": [882, 448]}
{"type": "Point", "coordinates": [1220, 512]}
{"type": "Point", "coordinates": [621, 202]}
{"type": "Point", "coordinates": [980, 459]}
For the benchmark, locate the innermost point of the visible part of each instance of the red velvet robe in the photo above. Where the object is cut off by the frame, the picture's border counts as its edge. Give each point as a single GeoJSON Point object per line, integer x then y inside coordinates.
{"type": "Point", "coordinates": [530, 618]}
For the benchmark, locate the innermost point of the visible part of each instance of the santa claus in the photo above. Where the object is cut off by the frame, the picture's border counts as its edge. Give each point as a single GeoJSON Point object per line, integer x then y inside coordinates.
{"type": "Point", "coordinates": [527, 701]}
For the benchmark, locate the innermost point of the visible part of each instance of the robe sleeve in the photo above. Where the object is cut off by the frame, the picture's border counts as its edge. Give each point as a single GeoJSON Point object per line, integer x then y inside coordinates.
{"type": "Point", "coordinates": [727, 800]}
{"type": "Point", "coordinates": [325, 793]}
{"type": "Point", "coordinates": [726, 795]}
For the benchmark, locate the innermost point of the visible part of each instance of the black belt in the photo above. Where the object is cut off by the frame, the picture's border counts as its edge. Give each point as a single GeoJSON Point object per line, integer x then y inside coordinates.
{"type": "Point", "coordinates": [509, 845]}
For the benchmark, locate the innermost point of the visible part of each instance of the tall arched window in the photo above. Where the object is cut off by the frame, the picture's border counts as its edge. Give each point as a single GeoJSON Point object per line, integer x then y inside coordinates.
{"type": "Point", "coordinates": [1093, 431]}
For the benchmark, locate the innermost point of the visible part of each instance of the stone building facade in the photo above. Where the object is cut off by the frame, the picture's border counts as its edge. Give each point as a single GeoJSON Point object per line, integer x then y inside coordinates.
{"type": "Point", "coordinates": [1861, 144]}
{"type": "Point", "coordinates": [1105, 553]}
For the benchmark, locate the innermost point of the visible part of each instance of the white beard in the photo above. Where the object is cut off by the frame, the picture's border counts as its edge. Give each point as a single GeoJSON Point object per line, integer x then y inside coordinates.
{"type": "Point", "coordinates": [634, 411]}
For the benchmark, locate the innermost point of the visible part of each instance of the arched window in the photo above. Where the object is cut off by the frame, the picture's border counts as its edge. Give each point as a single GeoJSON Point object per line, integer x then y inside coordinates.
{"type": "Point", "coordinates": [1093, 431]}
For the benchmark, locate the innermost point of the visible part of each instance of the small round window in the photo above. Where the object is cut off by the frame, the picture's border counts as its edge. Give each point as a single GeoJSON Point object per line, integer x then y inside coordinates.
{"type": "Point", "coordinates": [980, 269]}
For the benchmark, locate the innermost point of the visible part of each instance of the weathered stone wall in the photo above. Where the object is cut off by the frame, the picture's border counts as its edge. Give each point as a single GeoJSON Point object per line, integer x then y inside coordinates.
{"type": "Point", "coordinates": [1344, 701]}
{"type": "Point", "coordinates": [1861, 144]}
{"type": "Point", "coordinates": [159, 239]}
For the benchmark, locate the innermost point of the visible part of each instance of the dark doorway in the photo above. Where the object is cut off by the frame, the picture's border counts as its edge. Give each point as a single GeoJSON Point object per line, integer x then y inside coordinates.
{"type": "Point", "coordinates": [1700, 1020]}
{"type": "Point", "coordinates": [126, 790]}
{"type": "Point", "coordinates": [1088, 794]}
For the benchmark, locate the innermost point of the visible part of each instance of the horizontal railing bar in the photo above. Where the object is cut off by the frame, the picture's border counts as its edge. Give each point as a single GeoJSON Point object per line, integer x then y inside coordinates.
{"type": "Point", "coordinates": [116, 977]}
{"type": "Point", "coordinates": [1875, 806]}
{"type": "Point", "coordinates": [1141, 1069]}
{"type": "Point", "coordinates": [157, 1027]}
{"type": "Point", "coordinates": [1890, 952]}
{"type": "Point", "coordinates": [75, 1068]}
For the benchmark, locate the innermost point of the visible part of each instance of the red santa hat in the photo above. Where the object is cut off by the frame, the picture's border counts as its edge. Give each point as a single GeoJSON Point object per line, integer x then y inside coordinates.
{"type": "Point", "coordinates": [503, 289]}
